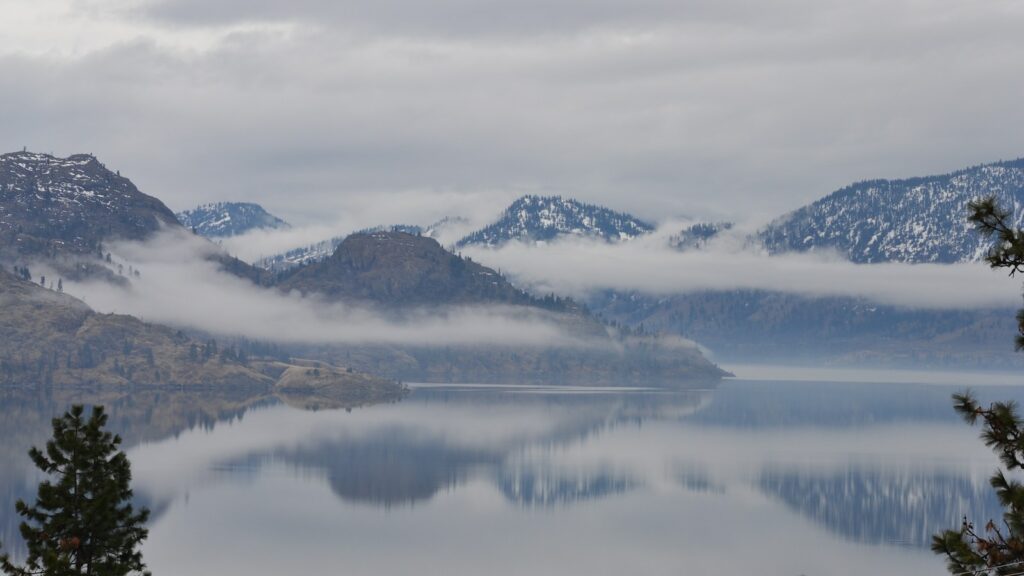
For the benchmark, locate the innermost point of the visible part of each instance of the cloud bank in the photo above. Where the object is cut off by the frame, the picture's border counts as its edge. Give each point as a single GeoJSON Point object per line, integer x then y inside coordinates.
{"type": "Point", "coordinates": [179, 287]}
{"type": "Point", "coordinates": [647, 265]}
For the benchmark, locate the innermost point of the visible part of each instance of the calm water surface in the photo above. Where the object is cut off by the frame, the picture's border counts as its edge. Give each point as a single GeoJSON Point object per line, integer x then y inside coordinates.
{"type": "Point", "coordinates": [752, 477]}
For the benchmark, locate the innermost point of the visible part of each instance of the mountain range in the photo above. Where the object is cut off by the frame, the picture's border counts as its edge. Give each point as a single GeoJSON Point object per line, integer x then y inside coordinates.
{"type": "Point", "coordinates": [531, 219]}
{"type": "Point", "coordinates": [63, 210]}
{"type": "Point", "coordinates": [912, 220]}
{"type": "Point", "coordinates": [224, 219]}
{"type": "Point", "coordinates": [392, 271]}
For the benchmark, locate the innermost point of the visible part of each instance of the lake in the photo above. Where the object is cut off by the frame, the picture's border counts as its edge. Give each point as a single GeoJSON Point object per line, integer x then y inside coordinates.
{"type": "Point", "coordinates": [751, 477]}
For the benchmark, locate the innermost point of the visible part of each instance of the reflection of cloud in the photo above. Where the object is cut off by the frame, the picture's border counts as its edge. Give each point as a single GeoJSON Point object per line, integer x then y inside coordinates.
{"type": "Point", "coordinates": [180, 287]}
{"type": "Point", "coordinates": [646, 265]}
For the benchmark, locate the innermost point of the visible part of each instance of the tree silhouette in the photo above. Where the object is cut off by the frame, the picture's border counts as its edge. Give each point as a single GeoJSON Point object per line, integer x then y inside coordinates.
{"type": "Point", "coordinates": [998, 547]}
{"type": "Point", "coordinates": [82, 521]}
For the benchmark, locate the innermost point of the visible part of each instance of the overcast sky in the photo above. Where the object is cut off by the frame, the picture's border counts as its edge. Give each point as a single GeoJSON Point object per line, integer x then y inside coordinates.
{"type": "Point", "coordinates": [408, 110]}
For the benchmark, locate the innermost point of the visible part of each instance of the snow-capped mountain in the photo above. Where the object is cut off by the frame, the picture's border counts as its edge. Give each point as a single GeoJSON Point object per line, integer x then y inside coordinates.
{"type": "Point", "coordinates": [914, 220]}
{"type": "Point", "coordinates": [544, 218]}
{"type": "Point", "coordinates": [222, 219]}
{"type": "Point", "coordinates": [60, 206]}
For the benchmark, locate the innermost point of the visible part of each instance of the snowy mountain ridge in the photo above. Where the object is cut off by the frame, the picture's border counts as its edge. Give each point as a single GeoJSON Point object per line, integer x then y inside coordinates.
{"type": "Point", "coordinates": [51, 205]}
{"type": "Point", "coordinates": [913, 220]}
{"type": "Point", "coordinates": [540, 219]}
{"type": "Point", "coordinates": [223, 219]}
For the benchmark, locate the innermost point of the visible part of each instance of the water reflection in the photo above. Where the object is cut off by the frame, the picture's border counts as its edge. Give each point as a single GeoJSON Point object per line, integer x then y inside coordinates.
{"type": "Point", "coordinates": [536, 488]}
{"type": "Point", "coordinates": [138, 416]}
{"type": "Point", "coordinates": [396, 460]}
{"type": "Point", "coordinates": [842, 465]}
{"type": "Point", "coordinates": [884, 506]}
{"type": "Point", "coordinates": [389, 467]}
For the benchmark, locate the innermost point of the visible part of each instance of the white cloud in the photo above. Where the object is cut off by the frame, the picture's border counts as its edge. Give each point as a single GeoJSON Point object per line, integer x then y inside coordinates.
{"type": "Point", "coordinates": [647, 265]}
{"type": "Point", "coordinates": [178, 287]}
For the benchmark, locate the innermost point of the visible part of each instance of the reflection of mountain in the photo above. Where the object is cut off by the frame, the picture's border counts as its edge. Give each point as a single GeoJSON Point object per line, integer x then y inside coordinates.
{"type": "Point", "coordinates": [874, 506]}
{"type": "Point", "coordinates": [538, 447]}
{"type": "Point", "coordinates": [543, 489]}
{"type": "Point", "coordinates": [696, 479]}
{"type": "Point", "coordinates": [138, 416]}
{"type": "Point", "coordinates": [389, 468]}
{"type": "Point", "coordinates": [404, 465]}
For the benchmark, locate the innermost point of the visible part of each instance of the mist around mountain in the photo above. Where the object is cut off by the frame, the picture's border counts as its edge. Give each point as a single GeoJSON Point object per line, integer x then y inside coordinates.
{"type": "Point", "coordinates": [910, 221]}
{"type": "Point", "coordinates": [404, 273]}
{"type": "Point", "coordinates": [388, 283]}
{"type": "Point", "coordinates": [762, 326]}
{"type": "Point", "coordinates": [53, 339]}
{"type": "Point", "coordinates": [59, 219]}
{"type": "Point", "coordinates": [224, 219]}
{"type": "Point", "coordinates": [63, 209]}
{"type": "Point", "coordinates": [440, 230]}
{"type": "Point", "coordinates": [393, 276]}
{"type": "Point", "coordinates": [398, 268]}
{"type": "Point", "coordinates": [697, 236]}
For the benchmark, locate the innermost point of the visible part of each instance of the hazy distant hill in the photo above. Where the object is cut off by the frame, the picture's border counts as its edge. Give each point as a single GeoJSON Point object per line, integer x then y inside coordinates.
{"type": "Point", "coordinates": [223, 219]}
{"type": "Point", "coordinates": [762, 326]}
{"type": "Point", "coordinates": [913, 220]}
{"type": "Point", "coordinates": [544, 218]}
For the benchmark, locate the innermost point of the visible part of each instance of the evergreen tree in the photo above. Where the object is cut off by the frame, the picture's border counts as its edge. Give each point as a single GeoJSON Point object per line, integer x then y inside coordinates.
{"type": "Point", "coordinates": [83, 521]}
{"type": "Point", "coordinates": [998, 547]}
